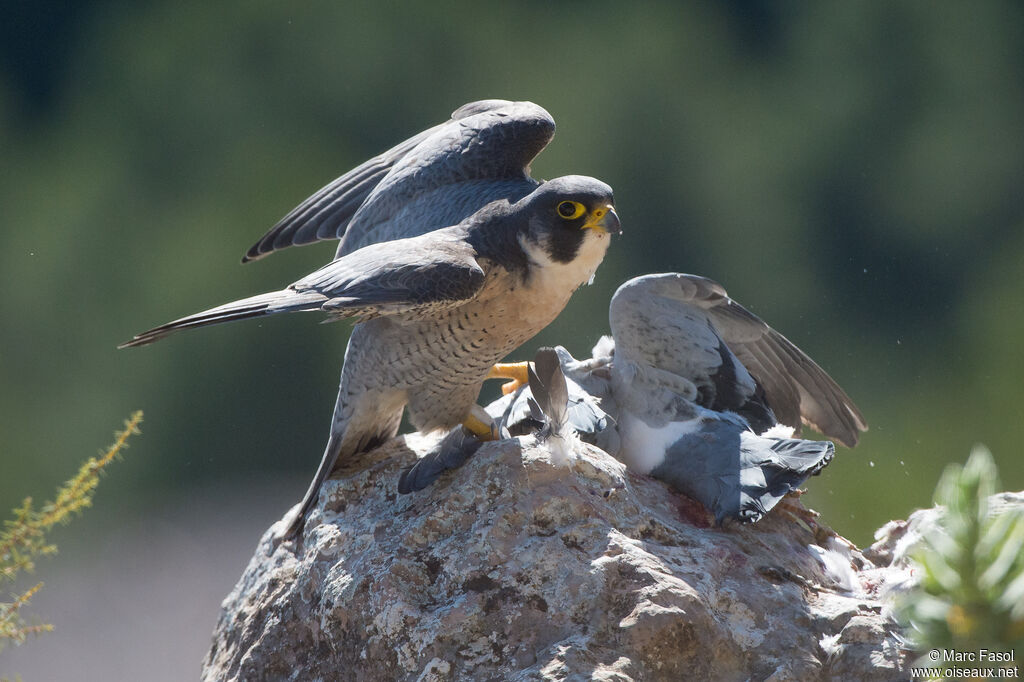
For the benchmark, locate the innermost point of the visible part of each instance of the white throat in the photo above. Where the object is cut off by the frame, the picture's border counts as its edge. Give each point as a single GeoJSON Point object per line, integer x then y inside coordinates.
{"type": "Point", "coordinates": [567, 277]}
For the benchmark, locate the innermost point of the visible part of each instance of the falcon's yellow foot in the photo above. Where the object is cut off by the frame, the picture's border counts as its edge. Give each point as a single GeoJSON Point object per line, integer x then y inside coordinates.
{"type": "Point", "coordinates": [480, 424]}
{"type": "Point", "coordinates": [518, 372]}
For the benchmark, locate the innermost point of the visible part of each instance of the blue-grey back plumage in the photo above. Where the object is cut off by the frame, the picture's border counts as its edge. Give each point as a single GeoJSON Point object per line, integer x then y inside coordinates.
{"type": "Point", "coordinates": [736, 473]}
{"type": "Point", "coordinates": [411, 277]}
{"type": "Point", "coordinates": [434, 179]}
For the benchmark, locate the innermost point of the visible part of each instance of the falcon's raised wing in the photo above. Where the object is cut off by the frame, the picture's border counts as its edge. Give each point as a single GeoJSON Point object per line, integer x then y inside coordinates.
{"type": "Point", "coordinates": [432, 180]}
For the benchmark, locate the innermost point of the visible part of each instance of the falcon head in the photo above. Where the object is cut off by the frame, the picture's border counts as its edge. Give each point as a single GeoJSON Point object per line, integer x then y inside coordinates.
{"type": "Point", "coordinates": [569, 219]}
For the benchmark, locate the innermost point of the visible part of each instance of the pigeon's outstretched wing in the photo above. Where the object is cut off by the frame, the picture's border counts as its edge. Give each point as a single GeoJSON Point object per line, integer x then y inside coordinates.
{"type": "Point", "coordinates": [412, 278]}
{"type": "Point", "coordinates": [434, 179]}
{"type": "Point", "coordinates": [691, 323]}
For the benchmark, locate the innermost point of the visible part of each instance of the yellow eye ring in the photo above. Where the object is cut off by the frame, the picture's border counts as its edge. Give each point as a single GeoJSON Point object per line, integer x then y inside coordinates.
{"type": "Point", "coordinates": [570, 210]}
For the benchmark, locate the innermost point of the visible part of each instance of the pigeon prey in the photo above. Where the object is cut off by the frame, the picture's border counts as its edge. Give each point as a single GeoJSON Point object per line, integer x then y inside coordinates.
{"type": "Point", "coordinates": [434, 179]}
{"type": "Point", "coordinates": [706, 397]}
{"type": "Point", "coordinates": [438, 310]}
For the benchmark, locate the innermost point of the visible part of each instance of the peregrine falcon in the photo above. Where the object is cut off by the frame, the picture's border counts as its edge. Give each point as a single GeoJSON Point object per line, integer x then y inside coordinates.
{"type": "Point", "coordinates": [705, 396]}
{"type": "Point", "coordinates": [438, 310]}
{"type": "Point", "coordinates": [432, 180]}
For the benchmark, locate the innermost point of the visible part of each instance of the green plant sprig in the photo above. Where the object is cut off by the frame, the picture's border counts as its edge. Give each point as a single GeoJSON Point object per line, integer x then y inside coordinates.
{"type": "Point", "coordinates": [24, 538]}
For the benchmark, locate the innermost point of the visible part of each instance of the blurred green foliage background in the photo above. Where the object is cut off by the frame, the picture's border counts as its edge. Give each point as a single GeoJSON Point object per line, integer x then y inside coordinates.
{"type": "Point", "coordinates": [852, 172]}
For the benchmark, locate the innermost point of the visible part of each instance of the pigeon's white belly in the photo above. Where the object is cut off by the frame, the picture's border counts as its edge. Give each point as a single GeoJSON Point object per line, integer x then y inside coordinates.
{"type": "Point", "coordinates": [644, 446]}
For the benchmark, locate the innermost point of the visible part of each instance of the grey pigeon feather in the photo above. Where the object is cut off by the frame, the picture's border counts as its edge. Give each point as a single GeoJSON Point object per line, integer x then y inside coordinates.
{"type": "Point", "coordinates": [549, 389]}
{"type": "Point", "coordinates": [700, 316]}
{"type": "Point", "coordinates": [584, 411]}
{"type": "Point", "coordinates": [519, 413]}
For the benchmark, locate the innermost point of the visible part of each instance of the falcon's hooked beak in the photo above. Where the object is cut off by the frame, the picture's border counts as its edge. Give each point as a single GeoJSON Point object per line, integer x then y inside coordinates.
{"type": "Point", "coordinates": [604, 219]}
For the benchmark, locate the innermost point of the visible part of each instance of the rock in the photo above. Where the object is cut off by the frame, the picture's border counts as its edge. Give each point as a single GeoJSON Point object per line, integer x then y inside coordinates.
{"type": "Point", "coordinates": [512, 569]}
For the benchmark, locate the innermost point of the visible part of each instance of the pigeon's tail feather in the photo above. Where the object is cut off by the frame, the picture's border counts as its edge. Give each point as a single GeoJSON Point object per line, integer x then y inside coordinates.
{"type": "Point", "coordinates": [801, 457]}
{"type": "Point", "coordinates": [774, 468]}
{"type": "Point", "coordinates": [286, 300]}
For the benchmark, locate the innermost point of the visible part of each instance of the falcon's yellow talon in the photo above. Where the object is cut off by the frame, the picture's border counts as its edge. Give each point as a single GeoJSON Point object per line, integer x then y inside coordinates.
{"type": "Point", "coordinates": [518, 372]}
{"type": "Point", "coordinates": [480, 424]}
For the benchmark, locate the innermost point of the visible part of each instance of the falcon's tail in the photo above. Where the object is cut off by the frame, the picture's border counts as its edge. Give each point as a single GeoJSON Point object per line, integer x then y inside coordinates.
{"type": "Point", "coordinates": [286, 300]}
